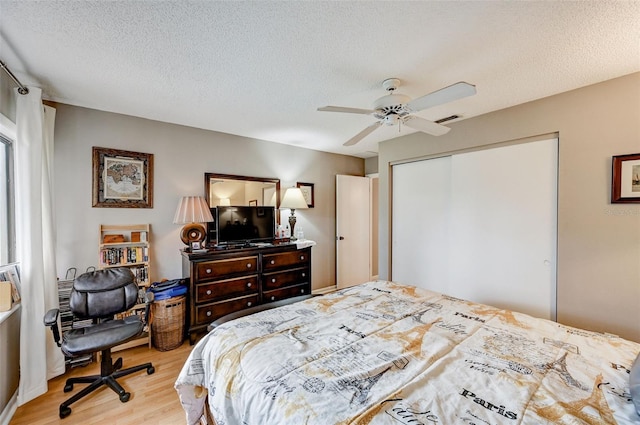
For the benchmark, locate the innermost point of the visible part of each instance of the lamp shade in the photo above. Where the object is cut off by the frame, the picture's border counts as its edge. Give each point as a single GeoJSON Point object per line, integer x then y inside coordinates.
{"type": "Point", "coordinates": [293, 199]}
{"type": "Point", "coordinates": [192, 209]}
{"type": "Point", "coordinates": [225, 202]}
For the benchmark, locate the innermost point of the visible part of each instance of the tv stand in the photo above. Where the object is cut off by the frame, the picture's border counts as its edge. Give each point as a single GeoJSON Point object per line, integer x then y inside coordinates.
{"type": "Point", "coordinates": [223, 281]}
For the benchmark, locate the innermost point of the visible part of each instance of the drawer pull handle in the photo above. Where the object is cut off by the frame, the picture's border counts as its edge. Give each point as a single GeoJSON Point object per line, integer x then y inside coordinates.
{"type": "Point", "coordinates": [273, 280]}
{"type": "Point", "coordinates": [272, 262]}
{"type": "Point", "coordinates": [208, 291]}
{"type": "Point", "coordinates": [248, 284]}
{"type": "Point", "coordinates": [304, 274]}
{"type": "Point", "coordinates": [302, 291]}
{"type": "Point", "coordinates": [208, 313]}
{"type": "Point", "coordinates": [249, 265]}
{"type": "Point", "coordinates": [208, 271]}
{"type": "Point", "coordinates": [302, 258]}
{"type": "Point", "coordinates": [273, 298]}
{"type": "Point", "coordinates": [249, 304]}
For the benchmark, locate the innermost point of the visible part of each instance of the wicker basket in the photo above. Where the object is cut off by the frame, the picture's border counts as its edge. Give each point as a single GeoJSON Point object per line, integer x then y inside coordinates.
{"type": "Point", "coordinates": [167, 327]}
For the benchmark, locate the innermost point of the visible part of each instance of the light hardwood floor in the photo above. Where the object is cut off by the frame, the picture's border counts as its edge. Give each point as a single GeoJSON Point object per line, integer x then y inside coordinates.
{"type": "Point", "coordinates": [153, 398]}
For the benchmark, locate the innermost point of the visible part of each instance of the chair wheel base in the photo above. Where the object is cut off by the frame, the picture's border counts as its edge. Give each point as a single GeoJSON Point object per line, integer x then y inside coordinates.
{"type": "Point", "coordinates": [125, 397]}
{"type": "Point", "coordinates": [151, 370]}
{"type": "Point", "coordinates": [64, 411]}
{"type": "Point", "coordinates": [68, 388]}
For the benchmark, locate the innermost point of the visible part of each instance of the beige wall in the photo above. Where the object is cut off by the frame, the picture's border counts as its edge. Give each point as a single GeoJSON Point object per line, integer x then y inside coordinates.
{"type": "Point", "coordinates": [371, 165]}
{"type": "Point", "coordinates": [182, 155]}
{"type": "Point", "coordinates": [598, 242]}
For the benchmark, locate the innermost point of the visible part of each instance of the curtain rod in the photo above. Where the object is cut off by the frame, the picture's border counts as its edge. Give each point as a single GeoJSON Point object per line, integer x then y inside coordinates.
{"type": "Point", "coordinates": [21, 89]}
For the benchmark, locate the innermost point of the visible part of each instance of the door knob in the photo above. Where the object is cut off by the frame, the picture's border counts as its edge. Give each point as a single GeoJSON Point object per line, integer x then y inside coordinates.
{"type": "Point", "coordinates": [339, 238]}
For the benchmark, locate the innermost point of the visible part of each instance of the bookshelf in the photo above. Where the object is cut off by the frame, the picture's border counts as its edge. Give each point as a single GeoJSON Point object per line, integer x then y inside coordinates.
{"type": "Point", "coordinates": [128, 246]}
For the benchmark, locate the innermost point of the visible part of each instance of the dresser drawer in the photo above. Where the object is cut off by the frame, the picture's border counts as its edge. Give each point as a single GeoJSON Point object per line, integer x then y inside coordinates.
{"type": "Point", "coordinates": [209, 312]}
{"type": "Point", "coordinates": [281, 294]}
{"type": "Point", "coordinates": [229, 288]}
{"type": "Point", "coordinates": [210, 270]}
{"type": "Point", "coordinates": [285, 259]}
{"type": "Point", "coordinates": [286, 278]}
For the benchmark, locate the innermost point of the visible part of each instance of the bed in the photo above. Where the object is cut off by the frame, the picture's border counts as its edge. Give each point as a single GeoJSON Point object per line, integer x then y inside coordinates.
{"type": "Point", "coordinates": [386, 353]}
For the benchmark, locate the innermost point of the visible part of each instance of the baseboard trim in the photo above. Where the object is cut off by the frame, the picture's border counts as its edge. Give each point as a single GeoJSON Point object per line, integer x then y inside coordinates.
{"type": "Point", "coordinates": [325, 290]}
{"type": "Point", "coordinates": [9, 410]}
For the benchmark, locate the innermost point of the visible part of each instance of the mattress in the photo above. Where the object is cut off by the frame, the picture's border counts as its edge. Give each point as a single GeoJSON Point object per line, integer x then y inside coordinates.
{"type": "Point", "coordinates": [387, 353]}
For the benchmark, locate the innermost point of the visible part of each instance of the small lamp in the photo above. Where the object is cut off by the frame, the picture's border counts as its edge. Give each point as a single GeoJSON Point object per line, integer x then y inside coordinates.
{"type": "Point", "coordinates": [192, 210]}
{"type": "Point", "coordinates": [225, 202]}
{"type": "Point", "coordinates": [293, 199]}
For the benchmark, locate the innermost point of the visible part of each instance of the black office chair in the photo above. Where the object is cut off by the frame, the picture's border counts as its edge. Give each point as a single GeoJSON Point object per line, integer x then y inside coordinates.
{"type": "Point", "coordinates": [98, 295]}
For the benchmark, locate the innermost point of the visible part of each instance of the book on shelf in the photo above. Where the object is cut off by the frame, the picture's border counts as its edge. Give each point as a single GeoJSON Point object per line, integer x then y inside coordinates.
{"type": "Point", "coordinates": [124, 255]}
{"type": "Point", "coordinates": [10, 273]}
{"type": "Point", "coordinates": [6, 301]}
{"type": "Point", "coordinates": [140, 236]}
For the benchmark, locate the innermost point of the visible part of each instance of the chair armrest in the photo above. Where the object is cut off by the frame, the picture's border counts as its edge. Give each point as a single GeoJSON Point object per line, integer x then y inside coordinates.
{"type": "Point", "coordinates": [51, 320]}
{"type": "Point", "coordinates": [149, 297]}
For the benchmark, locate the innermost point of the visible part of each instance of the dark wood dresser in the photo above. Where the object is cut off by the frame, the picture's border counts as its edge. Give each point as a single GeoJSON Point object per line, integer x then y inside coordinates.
{"type": "Point", "coordinates": [225, 281]}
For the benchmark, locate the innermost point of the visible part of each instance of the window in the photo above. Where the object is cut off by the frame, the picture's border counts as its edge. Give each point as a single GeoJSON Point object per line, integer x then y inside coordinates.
{"type": "Point", "coordinates": [7, 205]}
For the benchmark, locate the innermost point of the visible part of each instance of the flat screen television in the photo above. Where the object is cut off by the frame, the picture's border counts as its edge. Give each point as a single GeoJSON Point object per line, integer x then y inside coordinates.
{"type": "Point", "coordinates": [238, 224]}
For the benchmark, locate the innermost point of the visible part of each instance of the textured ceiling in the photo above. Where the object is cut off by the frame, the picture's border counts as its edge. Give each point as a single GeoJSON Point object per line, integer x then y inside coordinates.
{"type": "Point", "coordinates": [260, 69]}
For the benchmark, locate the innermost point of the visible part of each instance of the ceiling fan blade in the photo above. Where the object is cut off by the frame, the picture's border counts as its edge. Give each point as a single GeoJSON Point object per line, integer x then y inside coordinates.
{"type": "Point", "coordinates": [448, 94]}
{"type": "Point", "coordinates": [364, 133]}
{"type": "Point", "coordinates": [425, 126]}
{"type": "Point", "coordinates": [348, 110]}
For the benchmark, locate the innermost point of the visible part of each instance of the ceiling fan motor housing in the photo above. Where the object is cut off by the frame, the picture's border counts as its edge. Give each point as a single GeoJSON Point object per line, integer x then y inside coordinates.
{"type": "Point", "coordinates": [391, 104]}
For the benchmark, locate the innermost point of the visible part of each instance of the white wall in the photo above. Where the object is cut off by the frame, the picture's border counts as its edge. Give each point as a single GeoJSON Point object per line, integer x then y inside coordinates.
{"type": "Point", "coordinates": [181, 155]}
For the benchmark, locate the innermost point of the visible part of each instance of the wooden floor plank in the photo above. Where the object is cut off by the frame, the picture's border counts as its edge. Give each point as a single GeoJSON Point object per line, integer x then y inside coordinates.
{"type": "Point", "coordinates": [153, 398]}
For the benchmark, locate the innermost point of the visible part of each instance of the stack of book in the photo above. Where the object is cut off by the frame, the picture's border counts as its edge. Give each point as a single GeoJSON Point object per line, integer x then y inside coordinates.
{"type": "Point", "coordinates": [67, 321]}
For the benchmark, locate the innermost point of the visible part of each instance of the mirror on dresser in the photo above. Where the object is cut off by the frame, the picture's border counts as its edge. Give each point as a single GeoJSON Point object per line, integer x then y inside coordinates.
{"type": "Point", "coordinates": [229, 189]}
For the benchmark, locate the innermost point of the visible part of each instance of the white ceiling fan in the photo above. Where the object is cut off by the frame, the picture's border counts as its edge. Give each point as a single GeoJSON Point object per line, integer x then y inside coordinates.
{"type": "Point", "coordinates": [396, 108]}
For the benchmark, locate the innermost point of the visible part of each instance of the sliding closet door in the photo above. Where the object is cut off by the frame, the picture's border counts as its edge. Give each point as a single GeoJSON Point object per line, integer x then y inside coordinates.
{"type": "Point", "coordinates": [496, 231]}
{"type": "Point", "coordinates": [420, 222]}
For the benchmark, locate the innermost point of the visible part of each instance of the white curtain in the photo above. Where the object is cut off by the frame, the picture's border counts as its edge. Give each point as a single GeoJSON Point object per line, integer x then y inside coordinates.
{"type": "Point", "coordinates": [40, 358]}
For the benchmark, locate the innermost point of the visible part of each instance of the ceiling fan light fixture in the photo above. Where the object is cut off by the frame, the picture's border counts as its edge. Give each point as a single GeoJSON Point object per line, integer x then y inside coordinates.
{"type": "Point", "coordinates": [391, 119]}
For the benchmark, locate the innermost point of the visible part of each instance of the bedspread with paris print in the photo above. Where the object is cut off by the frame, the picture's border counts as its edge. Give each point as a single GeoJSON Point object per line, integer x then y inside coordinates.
{"type": "Point", "coordinates": [387, 353]}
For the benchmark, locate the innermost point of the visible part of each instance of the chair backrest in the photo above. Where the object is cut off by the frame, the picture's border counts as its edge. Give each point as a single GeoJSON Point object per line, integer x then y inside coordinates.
{"type": "Point", "coordinates": [103, 293]}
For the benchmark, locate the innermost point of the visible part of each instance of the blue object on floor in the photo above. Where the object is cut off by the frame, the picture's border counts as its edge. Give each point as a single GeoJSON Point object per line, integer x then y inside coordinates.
{"type": "Point", "coordinates": [168, 289]}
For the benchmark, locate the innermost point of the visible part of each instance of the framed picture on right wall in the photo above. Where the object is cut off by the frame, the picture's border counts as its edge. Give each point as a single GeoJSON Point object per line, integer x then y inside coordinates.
{"type": "Point", "coordinates": [625, 178]}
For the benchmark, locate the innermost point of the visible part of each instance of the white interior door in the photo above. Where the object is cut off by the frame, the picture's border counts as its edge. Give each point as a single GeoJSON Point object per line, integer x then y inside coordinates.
{"type": "Point", "coordinates": [480, 226]}
{"type": "Point", "coordinates": [353, 230]}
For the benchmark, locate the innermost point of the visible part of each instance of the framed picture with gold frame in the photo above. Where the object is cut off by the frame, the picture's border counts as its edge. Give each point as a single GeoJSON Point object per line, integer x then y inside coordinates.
{"type": "Point", "coordinates": [122, 179]}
